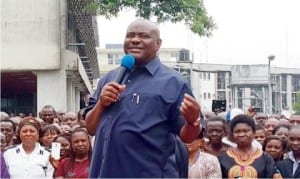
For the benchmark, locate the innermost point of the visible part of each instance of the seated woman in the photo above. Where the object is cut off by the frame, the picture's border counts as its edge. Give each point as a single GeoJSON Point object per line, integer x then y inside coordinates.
{"type": "Point", "coordinates": [201, 164]}
{"type": "Point", "coordinates": [275, 146]}
{"type": "Point", "coordinates": [77, 165]}
{"type": "Point", "coordinates": [245, 160]}
{"type": "Point", "coordinates": [28, 159]}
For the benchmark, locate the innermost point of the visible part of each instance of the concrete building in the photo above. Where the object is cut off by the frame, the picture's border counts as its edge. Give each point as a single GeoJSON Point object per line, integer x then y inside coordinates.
{"type": "Point", "coordinates": [48, 54]}
{"type": "Point", "coordinates": [241, 86]}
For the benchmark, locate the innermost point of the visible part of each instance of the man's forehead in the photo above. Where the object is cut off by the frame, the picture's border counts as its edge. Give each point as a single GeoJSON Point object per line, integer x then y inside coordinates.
{"type": "Point", "coordinates": [5, 124]}
{"type": "Point", "coordinates": [47, 110]}
{"type": "Point", "coordinates": [295, 117]}
{"type": "Point", "coordinates": [142, 27]}
{"type": "Point", "coordinates": [271, 121]}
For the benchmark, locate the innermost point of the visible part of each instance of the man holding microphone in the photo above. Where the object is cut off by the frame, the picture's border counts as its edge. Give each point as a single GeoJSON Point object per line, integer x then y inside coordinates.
{"type": "Point", "coordinates": [135, 121]}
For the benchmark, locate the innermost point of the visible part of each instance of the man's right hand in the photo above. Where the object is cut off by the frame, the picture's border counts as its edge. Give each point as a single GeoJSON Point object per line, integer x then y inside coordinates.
{"type": "Point", "coordinates": [110, 93]}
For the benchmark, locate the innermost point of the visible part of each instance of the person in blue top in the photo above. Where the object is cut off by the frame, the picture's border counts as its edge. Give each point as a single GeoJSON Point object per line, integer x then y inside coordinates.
{"type": "Point", "coordinates": [135, 124]}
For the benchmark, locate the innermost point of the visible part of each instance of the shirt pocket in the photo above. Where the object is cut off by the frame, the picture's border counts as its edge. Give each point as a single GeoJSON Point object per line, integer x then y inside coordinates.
{"type": "Point", "coordinates": [151, 106]}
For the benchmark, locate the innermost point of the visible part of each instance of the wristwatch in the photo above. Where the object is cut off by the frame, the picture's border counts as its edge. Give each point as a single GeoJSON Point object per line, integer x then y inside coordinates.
{"type": "Point", "coordinates": [196, 123]}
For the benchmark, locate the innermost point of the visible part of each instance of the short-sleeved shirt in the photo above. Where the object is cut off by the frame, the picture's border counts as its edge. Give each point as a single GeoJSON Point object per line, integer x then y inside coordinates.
{"type": "Point", "coordinates": [135, 137]}
{"type": "Point", "coordinates": [33, 165]}
{"type": "Point", "coordinates": [79, 169]}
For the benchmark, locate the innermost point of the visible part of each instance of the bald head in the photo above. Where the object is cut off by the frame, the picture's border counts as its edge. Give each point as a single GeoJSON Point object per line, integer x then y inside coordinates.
{"type": "Point", "coordinates": [142, 41]}
{"type": "Point", "coordinates": [147, 23]}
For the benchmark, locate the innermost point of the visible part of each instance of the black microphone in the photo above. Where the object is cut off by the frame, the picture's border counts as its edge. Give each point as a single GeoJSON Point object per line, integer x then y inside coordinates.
{"type": "Point", "coordinates": [127, 64]}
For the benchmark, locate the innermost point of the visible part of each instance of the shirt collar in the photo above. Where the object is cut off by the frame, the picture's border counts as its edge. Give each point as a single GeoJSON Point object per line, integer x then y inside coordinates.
{"type": "Point", "coordinates": [153, 66]}
{"type": "Point", "coordinates": [292, 157]}
{"type": "Point", "coordinates": [35, 151]}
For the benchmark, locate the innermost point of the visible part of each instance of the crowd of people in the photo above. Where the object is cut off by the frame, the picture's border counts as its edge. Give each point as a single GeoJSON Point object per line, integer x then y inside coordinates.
{"type": "Point", "coordinates": [225, 148]}
{"type": "Point", "coordinates": [26, 143]}
{"type": "Point", "coordinates": [149, 127]}
{"type": "Point", "coordinates": [250, 144]}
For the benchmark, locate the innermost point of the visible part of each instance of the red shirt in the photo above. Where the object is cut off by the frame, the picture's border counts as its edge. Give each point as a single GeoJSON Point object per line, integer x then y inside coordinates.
{"type": "Point", "coordinates": [80, 169]}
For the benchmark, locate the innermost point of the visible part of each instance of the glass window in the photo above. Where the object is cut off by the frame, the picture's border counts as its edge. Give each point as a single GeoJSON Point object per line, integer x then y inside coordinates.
{"type": "Point", "coordinates": [295, 83]}
{"type": "Point", "coordinates": [240, 98]}
{"type": "Point", "coordinates": [221, 95]}
{"type": "Point", "coordinates": [204, 96]}
{"type": "Point", "coordinates": [283, 83]}
{"type": "Point", "coordinates": [221, 80]}
{"type": "Point", "coordinates": [284, 101]}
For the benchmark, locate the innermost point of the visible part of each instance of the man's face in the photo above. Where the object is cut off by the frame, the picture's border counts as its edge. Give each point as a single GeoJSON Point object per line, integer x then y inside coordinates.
{"type": "Point", "coordinates": [8, 130]}
{"type": "Point", "coordinates": [295, 120]}
{"type": "Point", "coordinates": [215, 131]}
{"type": "Point", "coordinates": [69, 119]}
{"type": "Point", "coordinates": [270, 124]}
{"type": "Point", "coordinates": [142, 41]}
{"type": "Point", "coordinates": [48, 115]}
{"type": "Point", "coordinates": [260, 119]}
{"type": "Point", "coordinates": [260, 136]}
{"type": "Point", "coordinates": [294, 140]}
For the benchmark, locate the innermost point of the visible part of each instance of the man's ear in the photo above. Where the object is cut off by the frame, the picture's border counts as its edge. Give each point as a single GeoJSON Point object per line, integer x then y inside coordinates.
{"type": "Point", "coordinates": [159, 41]}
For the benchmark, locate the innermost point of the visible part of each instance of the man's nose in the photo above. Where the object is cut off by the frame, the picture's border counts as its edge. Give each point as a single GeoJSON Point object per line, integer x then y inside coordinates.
{"type": "Point", "coordinates": [135, 39]}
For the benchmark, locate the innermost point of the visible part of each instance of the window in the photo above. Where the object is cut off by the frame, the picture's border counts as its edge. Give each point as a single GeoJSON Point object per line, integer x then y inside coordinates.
{"type": "Point", "coordinates": [283, 83]}
{"type": "Point", "coordinates": [295, 83]}
{"type": "Point", "coordinates": [283, 100]}
{"type": "Point", "coordinates": [240, 98]}
{"type": "Point", "coordinates": [208, 96]}
{"type": "Point", "coordinates": [294, 98]}
{"type": "Point", "coordinates": [208, 76]}
{"type": "Point", "coordinates": [204, 75]}
{"type": "Point", "coordinates": [204, 96]}
{"type": "Point", "coordinates": [221, 80]}
{"type": "Point", "coordinates": [221, 95]}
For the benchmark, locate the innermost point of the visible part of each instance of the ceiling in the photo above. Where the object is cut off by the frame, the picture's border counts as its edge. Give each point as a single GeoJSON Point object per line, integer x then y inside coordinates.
{"type": "Point", "coordinates": [13, 82]}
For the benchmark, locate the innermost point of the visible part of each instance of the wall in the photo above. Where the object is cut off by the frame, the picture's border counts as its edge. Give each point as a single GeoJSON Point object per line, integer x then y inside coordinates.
{"type": "Point", "coordinates": [30, 34]}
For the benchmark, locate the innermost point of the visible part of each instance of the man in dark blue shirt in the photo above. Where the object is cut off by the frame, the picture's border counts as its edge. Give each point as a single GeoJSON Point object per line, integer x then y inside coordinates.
{"type": "Point", "coordinates": [135, 124]}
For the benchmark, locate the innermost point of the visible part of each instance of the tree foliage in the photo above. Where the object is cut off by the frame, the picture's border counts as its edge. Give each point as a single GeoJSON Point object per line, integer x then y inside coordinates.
{"type": "Point", "coordinates": [296, 106]}
{"type": "Point", "coordinates": [191, 12]}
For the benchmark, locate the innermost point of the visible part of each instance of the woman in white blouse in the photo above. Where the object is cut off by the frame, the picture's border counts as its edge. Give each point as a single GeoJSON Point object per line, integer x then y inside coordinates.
{"type": "Point", "coordinates": [28, 159]}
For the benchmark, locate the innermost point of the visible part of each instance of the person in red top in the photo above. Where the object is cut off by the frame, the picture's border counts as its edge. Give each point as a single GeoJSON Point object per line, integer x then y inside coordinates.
{"type": "Point", "coordinates": [78, 164]}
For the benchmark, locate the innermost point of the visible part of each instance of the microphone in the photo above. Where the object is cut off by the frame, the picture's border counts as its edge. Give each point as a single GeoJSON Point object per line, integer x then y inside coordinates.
{"type": "Point", "coordinates": [127, 64]}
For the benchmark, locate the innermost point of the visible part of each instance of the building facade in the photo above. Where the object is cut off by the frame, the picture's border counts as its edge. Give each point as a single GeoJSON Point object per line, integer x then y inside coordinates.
{"type": "Point", "coordinates": [48, 54]}
{"type": "Point", "coordinates": [241, 86]}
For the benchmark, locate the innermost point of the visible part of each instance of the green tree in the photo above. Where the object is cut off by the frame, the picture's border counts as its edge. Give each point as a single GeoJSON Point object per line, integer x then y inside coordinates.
{"type": "Point", "coordinates": [191, 12]}
{"type": "Point", "coordinates": [296, 106]}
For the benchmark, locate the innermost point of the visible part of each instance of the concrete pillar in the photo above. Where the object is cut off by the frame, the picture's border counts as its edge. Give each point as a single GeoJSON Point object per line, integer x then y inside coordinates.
{"type": "Point", "coordinates": [247, 102]}
{"type": "Point", "coordinates": [69, 98]}
{"type": "Point", "coordinates": [77, 99]}
{"type": "Point", "coordinates": [289, 91]}
{"type": "Point", "coordinates": [227, 90]}
{"type": "Point", "coordinates": [51, 89]}
{"type": "Point", "coordinates": [264, 98]}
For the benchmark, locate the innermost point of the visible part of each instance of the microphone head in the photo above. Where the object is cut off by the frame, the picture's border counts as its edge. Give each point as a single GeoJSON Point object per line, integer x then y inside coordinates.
{"type": "Point", "coordinates": [128, 62]}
